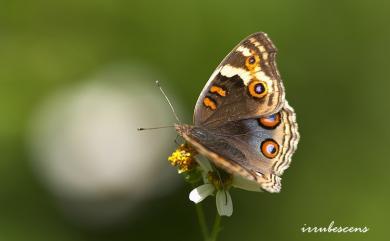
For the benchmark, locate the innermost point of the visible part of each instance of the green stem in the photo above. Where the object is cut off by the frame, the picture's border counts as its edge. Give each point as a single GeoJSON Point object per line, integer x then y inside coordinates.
{"type": "Point", "coordinates": [202, 221]}
{"type": "Point", "coordinates": [216, 228]}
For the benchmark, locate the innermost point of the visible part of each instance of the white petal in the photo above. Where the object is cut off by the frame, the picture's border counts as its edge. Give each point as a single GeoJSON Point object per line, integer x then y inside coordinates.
{"type": "Point", "coordinates": [201, 192]}
{"type": "Point", "coordinates": [224, 203]}
{"type": "Point", "coordinates": [204, 163]}
{"type": "Point", "coordinates": [205, 177]}
{"type": "Point", "coordinates": [243, 183]}
{"type": "Point", "coordinates": [205, 167]}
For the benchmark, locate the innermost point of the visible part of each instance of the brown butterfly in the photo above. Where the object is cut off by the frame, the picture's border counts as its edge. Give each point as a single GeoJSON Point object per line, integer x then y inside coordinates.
{"type": "Point", "coordinates": [242, 122]}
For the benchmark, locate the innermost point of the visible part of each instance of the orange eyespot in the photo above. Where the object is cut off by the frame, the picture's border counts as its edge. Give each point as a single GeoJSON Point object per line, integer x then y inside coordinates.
{"type": "Point", "coordinates": [252, 61]}
{"type": "Point", "coordinates": [270, 122]}
{"type": "Point", "coordinates": [257, 88]}
{"type": "Point", "coordinates": [269, 148]}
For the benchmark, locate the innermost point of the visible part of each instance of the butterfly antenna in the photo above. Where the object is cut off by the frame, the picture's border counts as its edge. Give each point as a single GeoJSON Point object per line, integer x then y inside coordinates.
{"type": "Point", "coordinates": [153, 128]}
{"type": "Point", "coordinates": [168, 101]}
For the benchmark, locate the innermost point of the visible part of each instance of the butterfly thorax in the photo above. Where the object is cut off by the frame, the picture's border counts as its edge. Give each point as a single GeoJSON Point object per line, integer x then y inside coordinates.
{"type": "Point", "coordinates": [196, 136]}
{"type": "Point", "coordinates": [183, 129]}
{"type": "Point", "coordinates": [191, 135]}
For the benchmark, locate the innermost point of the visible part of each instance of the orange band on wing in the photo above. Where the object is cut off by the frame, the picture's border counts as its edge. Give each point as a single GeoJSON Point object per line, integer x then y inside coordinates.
{"type": "Point", "coordinates": [218, 90]}
{"type": "Point", "coordinates": [208, 102]}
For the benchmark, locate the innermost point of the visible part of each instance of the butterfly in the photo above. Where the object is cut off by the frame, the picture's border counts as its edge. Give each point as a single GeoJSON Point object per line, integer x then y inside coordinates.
{"type": "Point", "coordinates": [242, 121]}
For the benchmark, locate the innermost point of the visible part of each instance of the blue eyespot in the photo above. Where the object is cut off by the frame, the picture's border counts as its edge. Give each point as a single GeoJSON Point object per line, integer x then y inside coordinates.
{"type": "Point", "coordinates": [259, 88]}
{"type": "Point", "coordinates": [269, 148]}
{"type": "Point", "coordinates": [270, 122]}
{"type": "Point", "coordinates": [271, 117]}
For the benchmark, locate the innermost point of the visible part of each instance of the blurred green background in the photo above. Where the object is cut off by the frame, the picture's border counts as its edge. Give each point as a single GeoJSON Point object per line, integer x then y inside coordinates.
{"type": "Point", "coordinates": [333, 57]}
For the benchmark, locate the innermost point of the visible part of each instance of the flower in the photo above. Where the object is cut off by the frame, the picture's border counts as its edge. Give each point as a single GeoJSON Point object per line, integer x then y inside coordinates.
{"type": "Point", "coordinates": [215, 181]}
{"type": "Point", "coordinates": [183, 158]}
{"type": "Point", "coordinates": [198, 194]}
{"type": "Point", "coordinates": [224, 203]}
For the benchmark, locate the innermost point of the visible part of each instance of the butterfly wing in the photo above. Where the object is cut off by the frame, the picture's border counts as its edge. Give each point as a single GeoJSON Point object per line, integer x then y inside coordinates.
{"type": "Point", "coordinates": [258, 149]}
{"type": "Point", "coordinates": [245, 85]}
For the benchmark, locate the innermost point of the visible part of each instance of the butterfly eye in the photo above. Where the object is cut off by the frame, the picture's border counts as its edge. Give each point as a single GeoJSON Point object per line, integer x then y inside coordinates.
{"type": "Point", "coordinates": [252, 61]}
{"type": "Point", "coordinates": [269, 148]}
{"type": "Point", "coordinates": [270, 122]}
{"type": "Point", "coordinates": [257, 88]}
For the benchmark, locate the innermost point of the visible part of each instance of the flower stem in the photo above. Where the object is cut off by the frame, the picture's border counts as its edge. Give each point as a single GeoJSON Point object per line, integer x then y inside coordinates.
{"type": "Point", "coordinates": [202, 221]}
{"type": "Point", "coordinates": [216, 228]}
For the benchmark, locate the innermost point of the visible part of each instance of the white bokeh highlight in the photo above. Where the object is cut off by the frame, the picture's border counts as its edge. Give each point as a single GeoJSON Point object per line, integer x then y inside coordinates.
{"type": "Point", "coordinates": [89, 154]}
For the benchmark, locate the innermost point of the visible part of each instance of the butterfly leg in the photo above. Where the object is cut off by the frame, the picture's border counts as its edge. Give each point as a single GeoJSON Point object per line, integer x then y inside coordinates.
{"type": "Point", "coordinates": [176, 142]}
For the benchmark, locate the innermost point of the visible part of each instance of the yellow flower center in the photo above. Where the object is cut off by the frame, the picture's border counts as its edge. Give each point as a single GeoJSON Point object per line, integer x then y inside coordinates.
{"type": "Point", "coordinates": [183, 158]}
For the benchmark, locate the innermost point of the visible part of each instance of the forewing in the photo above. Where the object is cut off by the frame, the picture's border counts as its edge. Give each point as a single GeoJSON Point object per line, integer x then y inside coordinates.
{"type": "Point", "coordinates": [245, 85]}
